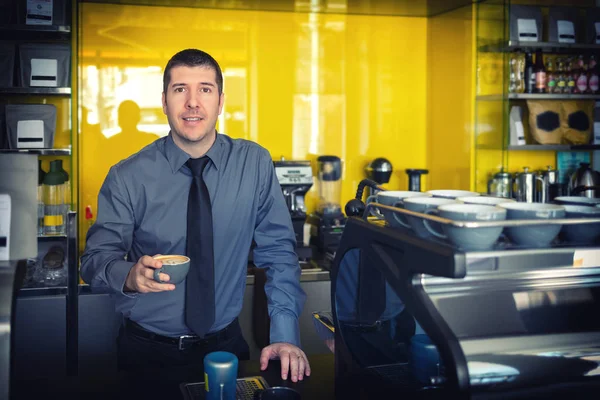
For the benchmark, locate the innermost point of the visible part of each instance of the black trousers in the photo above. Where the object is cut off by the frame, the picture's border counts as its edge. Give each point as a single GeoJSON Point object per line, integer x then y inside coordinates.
{"type": "Point", "coordinates": [137, 353]}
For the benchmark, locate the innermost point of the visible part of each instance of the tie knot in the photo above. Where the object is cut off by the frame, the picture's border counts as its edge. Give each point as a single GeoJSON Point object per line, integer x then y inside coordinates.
{"type": "Point", "coordinates": [197, 165]}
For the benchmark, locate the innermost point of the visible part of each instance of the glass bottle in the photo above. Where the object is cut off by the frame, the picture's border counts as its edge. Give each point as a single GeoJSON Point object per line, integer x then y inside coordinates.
{"type": "Point", "coordinates": [540, 73]}
{"type": "Point", "coordinates": [581, 76]}
{"type": "Point", "coordinates": [561, 80]}
{"type": "Point", "coordinates": [550, 77]}
{"type": "Point", "coordinates": [529, 74]}
{"type": "Point", "coordinates": [54, 200]}
{"type": "Point", "coordinates": [593, 75]}
{"type": "Point", "coordinates": [570, 88]}
{"type": "Point", "coordinates": [40, 198]}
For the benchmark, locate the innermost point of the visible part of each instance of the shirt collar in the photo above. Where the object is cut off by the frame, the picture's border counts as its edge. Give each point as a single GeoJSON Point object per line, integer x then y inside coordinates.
{"type": "Point", "coordinates": [177, 157]}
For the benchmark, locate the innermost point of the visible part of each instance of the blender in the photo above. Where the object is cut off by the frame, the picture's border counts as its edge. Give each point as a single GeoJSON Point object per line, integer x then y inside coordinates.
{"type": "Point", "coordinates": [327, 222]}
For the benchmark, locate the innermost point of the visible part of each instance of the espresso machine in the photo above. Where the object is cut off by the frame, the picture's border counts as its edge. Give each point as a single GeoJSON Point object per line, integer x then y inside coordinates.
{"type": "Point", "coordinates": [295, 179]}
{"type": "Point", "coordinates": [328, 220]}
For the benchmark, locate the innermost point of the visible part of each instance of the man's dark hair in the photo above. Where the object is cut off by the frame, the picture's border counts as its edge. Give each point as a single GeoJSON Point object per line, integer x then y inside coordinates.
{"type": "Point", "coordinates": [192, 58]}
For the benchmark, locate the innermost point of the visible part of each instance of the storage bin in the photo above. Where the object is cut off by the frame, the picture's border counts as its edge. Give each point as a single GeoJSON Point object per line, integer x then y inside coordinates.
{"type": "Point", "coordinates": [563, 25]}
{"type": "Point", "coordinates": [525, 23]}
{"type": "Point", "coordinates": [592, 26]}
{"type": "Point", "coordinates": [7, 63]}
{"type": "Point", "coordinates": [30, 126]}
{"type": "Point", "coordinates": [44, 65]}
{"type": "Point", "coordinates": [60, 14]}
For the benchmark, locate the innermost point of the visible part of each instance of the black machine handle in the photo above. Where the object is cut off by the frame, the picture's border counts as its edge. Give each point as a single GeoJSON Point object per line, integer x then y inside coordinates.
{"type": "Point", "coordinates": [356, 207]}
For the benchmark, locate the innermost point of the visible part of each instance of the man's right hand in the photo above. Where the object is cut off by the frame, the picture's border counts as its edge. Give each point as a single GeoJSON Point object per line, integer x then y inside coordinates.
{"type": "Point", "coordinates": [141, 277]}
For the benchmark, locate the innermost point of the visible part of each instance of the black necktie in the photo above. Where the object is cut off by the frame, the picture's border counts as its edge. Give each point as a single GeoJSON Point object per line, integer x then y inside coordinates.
{"type": "Point", "coordinates": [200, 284]}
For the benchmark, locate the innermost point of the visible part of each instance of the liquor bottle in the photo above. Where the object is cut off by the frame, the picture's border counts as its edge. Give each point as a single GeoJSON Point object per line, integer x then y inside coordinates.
{"type": "Point", "coordinates": [581, 77]}
{"type": "Point", "coordinates": [570, 76]}
{"type": "Point", "coordinates": [540, 73]}
{"type": "Point", "coordinates": [561, 80]}
{"type": "Point", "coordinates": [40, 198]}
{"type": "Point", "coordinates": [551, 77]}
{"type": "Point", "coordinates": [593, 75]}
{"type": "Point", "coordinates": [529, 74]}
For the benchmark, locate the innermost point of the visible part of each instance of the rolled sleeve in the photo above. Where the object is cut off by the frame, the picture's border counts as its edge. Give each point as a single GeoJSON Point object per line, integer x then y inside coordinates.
{"type": "Point", "coordinates": [108, 241]}
{"type": "Point", "coordinates": [275, 250]}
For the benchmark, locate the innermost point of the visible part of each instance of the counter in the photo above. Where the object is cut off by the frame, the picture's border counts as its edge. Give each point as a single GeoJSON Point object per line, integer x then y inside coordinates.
{"type": "Point", "coordinates": [164, 383]}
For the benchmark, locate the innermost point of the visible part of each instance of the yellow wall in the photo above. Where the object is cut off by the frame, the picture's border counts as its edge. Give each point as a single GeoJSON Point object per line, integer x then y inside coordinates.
{"type": "Point", "coordinates": [300, 84]}
{"type": "Point", "coordinates": [449, 101]}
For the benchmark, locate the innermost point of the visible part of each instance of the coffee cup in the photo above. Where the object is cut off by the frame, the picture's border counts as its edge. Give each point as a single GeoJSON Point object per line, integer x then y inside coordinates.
{"type": "Point", "coordinates": [581, 233]}
{"type": "Point", "coordinates": [484, 200]}
{"type": "Point", "coordinates": [533, 235]}
{"type": "Point", "coordinates": [277, 393]}
{"type": "Point", "coordinates": [391, 198]}
{"type": "Point", "coordinates": [468, 238]}
{"type": "Point", "coordinates": [420, 205]}
{"type": "Point", "coordinates": [176, 266]}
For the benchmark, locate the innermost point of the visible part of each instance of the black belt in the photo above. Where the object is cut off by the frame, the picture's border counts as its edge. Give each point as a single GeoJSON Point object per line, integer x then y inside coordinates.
{"type": "Point", "coordinates": [184, 342]}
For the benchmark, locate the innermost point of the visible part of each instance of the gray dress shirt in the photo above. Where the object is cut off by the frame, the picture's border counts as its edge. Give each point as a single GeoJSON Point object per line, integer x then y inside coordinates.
{"type": "Point", "coordinates": [142, 210]}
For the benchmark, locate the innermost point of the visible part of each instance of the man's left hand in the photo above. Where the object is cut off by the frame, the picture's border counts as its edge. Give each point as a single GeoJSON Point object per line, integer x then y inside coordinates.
{"type": "Point", "coordinates": [293, 360]}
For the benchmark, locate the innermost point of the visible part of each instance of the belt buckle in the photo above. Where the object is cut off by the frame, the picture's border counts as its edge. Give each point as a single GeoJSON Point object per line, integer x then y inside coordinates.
{"type": "Point", "coordinates": [181, 341]}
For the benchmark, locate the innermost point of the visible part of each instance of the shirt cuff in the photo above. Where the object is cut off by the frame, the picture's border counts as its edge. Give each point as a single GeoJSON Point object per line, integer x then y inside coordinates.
{"type": "Point", "coordinates": [117, 274]}
{"type": "Point", "coordinates": [285, 329]}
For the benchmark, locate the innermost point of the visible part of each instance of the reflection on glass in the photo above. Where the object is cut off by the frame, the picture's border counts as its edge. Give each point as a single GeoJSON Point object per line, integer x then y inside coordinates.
{"type": "Point", "coordinates": [377, 329]}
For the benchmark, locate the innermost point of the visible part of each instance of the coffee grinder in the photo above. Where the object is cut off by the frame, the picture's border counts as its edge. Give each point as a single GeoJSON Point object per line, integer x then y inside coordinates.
{"type": "Point", "coordinates": [328, 221]}
{"type": "Point", "coordinates": [379, 170]}
{"type": "Point", "coordinates": [295, 179]}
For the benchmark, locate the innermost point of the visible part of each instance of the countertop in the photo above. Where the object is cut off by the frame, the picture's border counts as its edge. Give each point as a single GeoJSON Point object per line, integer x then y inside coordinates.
{"type": "Point", "coordinates": [164, 384]}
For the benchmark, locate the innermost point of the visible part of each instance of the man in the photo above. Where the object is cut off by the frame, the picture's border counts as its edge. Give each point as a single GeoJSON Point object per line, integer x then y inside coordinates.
{"type": "Point", "coordinates": [142, 212]}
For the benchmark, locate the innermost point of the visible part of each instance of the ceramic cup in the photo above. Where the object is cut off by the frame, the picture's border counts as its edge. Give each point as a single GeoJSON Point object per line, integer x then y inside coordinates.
{"type": "Point", "coordinates": [451, 194]}
{"type": "Point", "coordinates": [468, 238]}
{"type": "Point", "coordinates": [484, 200]}
{"type": "Point", "coordinates": [277, 393]}
{"type": "Point", "coordinates": [581, 233]}
{"type": "Point", "coordinates": [389, 198]}
{"type": "Point", "coordinates": [420, 205]}
{"type": "Point", "coordinates": [577, 200]}
{"type": "Point", "coordinates": [533, 235]}
{"type": "Point", "coordinates": [175, 266]}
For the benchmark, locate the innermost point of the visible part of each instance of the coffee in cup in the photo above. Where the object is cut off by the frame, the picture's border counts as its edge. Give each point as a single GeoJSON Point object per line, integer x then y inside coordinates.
{"type": "Point", "coordinates": [176, 266]}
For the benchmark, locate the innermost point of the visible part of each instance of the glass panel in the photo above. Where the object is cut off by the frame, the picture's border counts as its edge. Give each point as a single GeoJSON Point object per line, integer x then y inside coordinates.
{"type": "Point", "coordinates": [382, 336]}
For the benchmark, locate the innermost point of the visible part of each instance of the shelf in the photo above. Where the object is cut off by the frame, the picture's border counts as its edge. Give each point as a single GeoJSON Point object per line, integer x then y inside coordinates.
{"type": "Point", "coordinates": [537, 96]}
{"type": "Point", "coordinates": [546, 47]}
{"type": "Point", "coordinates": [35, 32]}
{"type": "Point", "coordinates": [41, 152]}
{"type": "Point", "coordinates": [16, 28]}
{"type": "Point", "coordinates": [556, 147]}
{"type": "Point", "coordinates": [55, 91]}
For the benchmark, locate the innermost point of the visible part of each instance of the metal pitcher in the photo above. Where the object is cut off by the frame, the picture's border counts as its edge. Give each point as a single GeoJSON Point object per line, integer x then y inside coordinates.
{"type": "Point", "coordinates": [525, 186]}
{"type": "Point", "coordinates": [500, 185]}
{"type": "Point", "coordinates": [548, 180]}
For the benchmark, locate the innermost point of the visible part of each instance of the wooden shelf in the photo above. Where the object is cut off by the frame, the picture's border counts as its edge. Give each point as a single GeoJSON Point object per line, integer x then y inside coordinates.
{"type": "Point", "coordinates": [546, 47]}
{"type": "Point", "coordinates": [41, 152]}
{"type": "Point", "coordinates": [54, 91]}
{"type": "Point", "coordinates": [556, 147]}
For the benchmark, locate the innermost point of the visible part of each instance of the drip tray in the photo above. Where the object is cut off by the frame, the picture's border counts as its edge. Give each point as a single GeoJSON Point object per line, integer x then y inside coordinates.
{"type": "Point", "coordinates": [245, 388]}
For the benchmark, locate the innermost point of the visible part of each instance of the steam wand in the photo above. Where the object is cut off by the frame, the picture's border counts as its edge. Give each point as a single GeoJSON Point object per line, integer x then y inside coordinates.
{"type": "Point", "coordinates": [356, 207]}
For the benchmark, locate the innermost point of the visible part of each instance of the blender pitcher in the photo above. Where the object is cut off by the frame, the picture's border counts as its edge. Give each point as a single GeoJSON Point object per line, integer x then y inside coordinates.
{"type": "Point", "coordinates": [329, 186]}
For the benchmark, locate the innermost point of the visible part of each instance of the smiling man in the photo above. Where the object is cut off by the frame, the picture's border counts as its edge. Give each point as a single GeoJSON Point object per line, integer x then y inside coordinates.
{"type": "Point", "coordinates": [199, 193]}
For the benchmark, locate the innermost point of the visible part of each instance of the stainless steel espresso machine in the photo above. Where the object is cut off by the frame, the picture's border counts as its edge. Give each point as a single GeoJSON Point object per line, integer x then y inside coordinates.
{"type": "Point", "coordinates": [420, 318]}
{"type": "Point", "coordinates": [295, 179]}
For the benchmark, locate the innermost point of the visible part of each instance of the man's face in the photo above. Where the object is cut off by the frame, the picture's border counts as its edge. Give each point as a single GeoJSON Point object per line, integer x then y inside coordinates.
{"type": "Point", "coordinates": [192, 103]}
